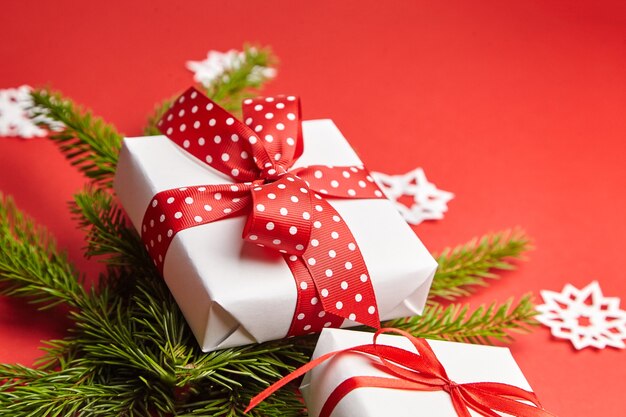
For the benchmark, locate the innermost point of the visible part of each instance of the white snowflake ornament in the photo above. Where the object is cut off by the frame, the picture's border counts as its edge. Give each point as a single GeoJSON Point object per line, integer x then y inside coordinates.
{"type": "Point", "coordinates": [15, 115]}
{"type": "Point", "coordinates": [429, 202]}
{"type": "Point", "coordinates": [218, 63]}
{"type": "Point", "coordinates": [585, 317]}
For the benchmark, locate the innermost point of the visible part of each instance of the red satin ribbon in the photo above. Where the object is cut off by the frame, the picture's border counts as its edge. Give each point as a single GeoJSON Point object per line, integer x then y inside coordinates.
{"type": "Point", "coordinates": [286, 207]}
{"type": "Point", "coordinates": [419, 371]}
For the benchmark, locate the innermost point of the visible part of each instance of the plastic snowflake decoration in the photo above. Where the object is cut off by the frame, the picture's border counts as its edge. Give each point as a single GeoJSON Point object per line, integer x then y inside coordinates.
{"type": "Point", "coordinates": [584, 316]}
{"type": "Point", "coordinates": [218, 63]}
{"type": "Point", "coordinates": [428, 202]}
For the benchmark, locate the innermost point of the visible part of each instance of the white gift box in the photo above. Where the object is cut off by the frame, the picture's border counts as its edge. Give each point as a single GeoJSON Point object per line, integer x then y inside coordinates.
{"type": "Point", "coordinates": [232, 292]}
{"type": "Point", "coordinates": [464, 363]}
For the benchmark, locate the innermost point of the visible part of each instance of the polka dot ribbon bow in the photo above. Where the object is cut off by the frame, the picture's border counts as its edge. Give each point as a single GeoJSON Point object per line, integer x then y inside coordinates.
{"type": "Point", "coordinates": [286, 208]}
{"type": "Point", "coordinates": [419, 371]}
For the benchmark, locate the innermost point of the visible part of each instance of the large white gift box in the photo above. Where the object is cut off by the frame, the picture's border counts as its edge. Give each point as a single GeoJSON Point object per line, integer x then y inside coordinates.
{"type": "Point", "coordinates": [232, 292]}
{"type": "Point", "coordinates": [464, 363]}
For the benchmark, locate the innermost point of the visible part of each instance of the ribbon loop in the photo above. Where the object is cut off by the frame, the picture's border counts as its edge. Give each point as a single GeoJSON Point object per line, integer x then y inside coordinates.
{"type": "Point", "coordinates": [340, 181]}
{"type": "Point", "coordinates": [276, 121]}
{"type": "Point", "coordinates": [212, 135]}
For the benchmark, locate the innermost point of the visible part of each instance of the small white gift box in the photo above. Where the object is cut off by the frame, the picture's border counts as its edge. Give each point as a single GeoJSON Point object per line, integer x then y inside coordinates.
{"type": "Point", "coordinates": [464, 363]}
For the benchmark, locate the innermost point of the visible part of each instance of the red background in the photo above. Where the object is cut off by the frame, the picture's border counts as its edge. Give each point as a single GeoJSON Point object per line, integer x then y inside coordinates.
{"type": "Point", "coordinates": [516, 107]}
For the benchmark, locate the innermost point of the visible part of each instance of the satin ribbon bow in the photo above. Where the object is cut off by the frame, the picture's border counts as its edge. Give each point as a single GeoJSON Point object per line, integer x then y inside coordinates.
{"type": "Point", "coordinates": [286, 207]}
{"type": "Point", "coordinates": [419, 371]}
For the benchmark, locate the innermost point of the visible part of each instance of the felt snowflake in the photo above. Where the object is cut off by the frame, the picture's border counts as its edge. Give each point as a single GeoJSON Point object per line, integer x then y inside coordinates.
{"type": "Point", "coordinates": [20, 118]}
{"type": "Point", "coordinates": [16, 117]}
{"type": "Point", "coordinates": [218, 63]}
{"type": "Point", "coordinates": [584, 316]}
{"type": "Point", "coordinates": [427, 201]}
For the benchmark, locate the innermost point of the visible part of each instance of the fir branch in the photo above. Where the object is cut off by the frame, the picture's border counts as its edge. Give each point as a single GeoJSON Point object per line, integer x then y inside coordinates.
{"type": "Point", "coordinates": [472, 264]}
{"type": "Point", "coordinates": [483, 325]}
{"type": "Point", "coordinates": [110, 236]}
{"type": "Point", "coordinates": [87, 141]}
{"type": "Point", "coordinates": [106, 338]}
{"type": "Point", "coordinates": [235, 84]}
{"type": "Point", "coordinates": [30, 264]}
{"type": "Point", "coordinates": [48, 397]}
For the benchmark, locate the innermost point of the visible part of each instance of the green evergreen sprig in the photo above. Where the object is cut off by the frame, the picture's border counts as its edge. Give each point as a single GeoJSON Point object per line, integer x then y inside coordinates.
{"type": "Point", "coordinates": [473, 263]}
{"type": "Point", "coordinates": [87, 141]}
{"type": "Point", "coordinates": [458, 323]}
{"type": "Point", "coordinates": [30, 265]}
{"type": "Point", "coordinates": [109, 235]}
{"type": "Point", "coordinates": [231, 87]}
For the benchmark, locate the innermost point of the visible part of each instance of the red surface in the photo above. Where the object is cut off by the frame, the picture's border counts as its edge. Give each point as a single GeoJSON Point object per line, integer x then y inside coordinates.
{"type": "Point", "coordinates": [518, 108]}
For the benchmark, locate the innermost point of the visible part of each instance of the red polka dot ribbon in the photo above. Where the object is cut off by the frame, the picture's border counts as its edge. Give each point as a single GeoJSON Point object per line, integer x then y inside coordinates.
{"type": "Point", "coordinates": [286, 208]}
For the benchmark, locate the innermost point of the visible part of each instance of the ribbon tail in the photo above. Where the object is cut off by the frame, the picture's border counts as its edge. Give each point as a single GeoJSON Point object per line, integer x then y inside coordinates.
{"type": "Point", "coordinates": [310, 316]}
{"type": "Point", "coordinates": [505, 390]}
{"type": "Point", "coordinates": [460, 404]}
{"type": "Point", "coordinates": [338, 269]}
{"type": "Point", "coordinates": [484, 402]}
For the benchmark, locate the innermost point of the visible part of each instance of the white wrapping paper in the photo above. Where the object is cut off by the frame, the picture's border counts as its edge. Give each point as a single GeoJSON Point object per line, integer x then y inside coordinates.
{"type": "Point", "coordinates": [234, 293]}
{"type": "Point", "coordinates": [464, 363]}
